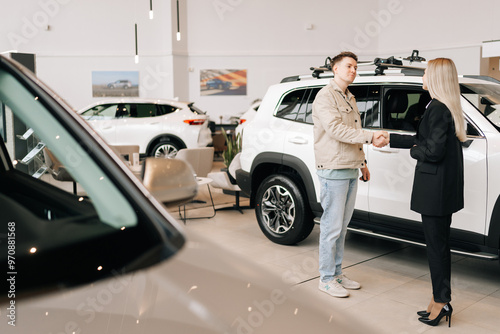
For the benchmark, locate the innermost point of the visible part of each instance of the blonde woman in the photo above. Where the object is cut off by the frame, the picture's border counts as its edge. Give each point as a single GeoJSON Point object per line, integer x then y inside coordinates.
{"type": "Point", "coordinates": [438, 186]}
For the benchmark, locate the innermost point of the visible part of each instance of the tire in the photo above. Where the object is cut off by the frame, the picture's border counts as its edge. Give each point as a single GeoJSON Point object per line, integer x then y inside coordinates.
{"type": "Point", "coordinates": [165, 149]}
{"type": "Point", "coordinates": [282, 212]}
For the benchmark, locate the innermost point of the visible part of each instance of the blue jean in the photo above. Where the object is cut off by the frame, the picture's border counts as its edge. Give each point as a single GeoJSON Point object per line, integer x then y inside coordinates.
{"type": "Point", "coordinates": [337, 199]}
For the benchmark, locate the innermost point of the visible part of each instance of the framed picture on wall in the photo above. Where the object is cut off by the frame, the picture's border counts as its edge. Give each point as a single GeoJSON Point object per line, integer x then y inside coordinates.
{"type": "Point", "coordinates": [223, 82]}
{"type": "Point", "coordinates": [115, 83]}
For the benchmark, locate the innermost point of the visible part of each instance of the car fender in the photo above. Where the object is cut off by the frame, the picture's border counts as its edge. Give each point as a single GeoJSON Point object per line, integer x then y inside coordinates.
{"type": "Point", "coordinates": [268, 163]}
{"type": "Point", "coordinates": [493, 238]}
{"type": "Point", "coordinates": [158, 138]}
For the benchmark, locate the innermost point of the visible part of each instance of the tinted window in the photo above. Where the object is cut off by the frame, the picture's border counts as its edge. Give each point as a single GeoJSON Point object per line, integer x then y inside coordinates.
{"type": "Point", "coordinates": [142, 110]}
{"type": "Point", "coordinates": [368, 102]}
{"type": "Point", "coordinates": [105, 110]}
{"type": "Point", "coordinates": [297, 105]}
{"type": "Point", "coordinates": [403, 107]}
{"type": "Point", "coordinates": [165, 109]}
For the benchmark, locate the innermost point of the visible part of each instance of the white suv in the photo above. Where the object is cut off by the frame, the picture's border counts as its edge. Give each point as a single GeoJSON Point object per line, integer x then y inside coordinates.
{"type": "Point", "coordinates": [159, 127]}
{"type": "Point", "coordinates": [279, 174]}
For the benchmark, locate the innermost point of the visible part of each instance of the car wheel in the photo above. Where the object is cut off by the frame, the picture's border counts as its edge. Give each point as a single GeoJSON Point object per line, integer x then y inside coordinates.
{"type": "Point", "coordinates": [165, 150]}
{"type": "Point", "coordinates": [282, 211]}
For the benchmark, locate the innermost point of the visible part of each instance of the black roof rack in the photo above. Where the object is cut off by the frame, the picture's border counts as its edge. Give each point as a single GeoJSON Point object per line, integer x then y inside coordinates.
{"type": "Point", "coordinates": [381, 64]}
{"type": "Point", "coordinates": [318, 70]}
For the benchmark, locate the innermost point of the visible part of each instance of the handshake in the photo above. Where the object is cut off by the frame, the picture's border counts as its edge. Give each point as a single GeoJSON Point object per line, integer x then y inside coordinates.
{"type": "Point", "coordinates": [380, 138]}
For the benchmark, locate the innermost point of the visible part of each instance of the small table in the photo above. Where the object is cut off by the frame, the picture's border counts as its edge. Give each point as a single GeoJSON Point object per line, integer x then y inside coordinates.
{"type": "Point", "coordinates": [201, 181]}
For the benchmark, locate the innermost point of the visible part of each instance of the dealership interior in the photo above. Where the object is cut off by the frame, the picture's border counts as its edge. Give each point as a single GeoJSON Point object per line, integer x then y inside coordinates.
{"type": "Point", "coordinates": [220, 57]}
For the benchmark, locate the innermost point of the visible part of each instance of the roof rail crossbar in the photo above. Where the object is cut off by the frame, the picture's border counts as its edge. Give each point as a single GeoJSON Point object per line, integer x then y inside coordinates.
{"type": "Point", "coordinates": [318, 70]}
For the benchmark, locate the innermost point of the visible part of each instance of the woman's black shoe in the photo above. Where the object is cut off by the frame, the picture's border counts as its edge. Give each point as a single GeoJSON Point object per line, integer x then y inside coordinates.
{"type": "Point", "coordinates": [424, 314]}
{"type": "Point", "coordinates": [447, 310]}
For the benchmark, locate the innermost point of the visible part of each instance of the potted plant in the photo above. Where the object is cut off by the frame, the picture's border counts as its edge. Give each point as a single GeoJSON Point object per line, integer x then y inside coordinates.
{"type": "Point", "coordinates": [233, 147]}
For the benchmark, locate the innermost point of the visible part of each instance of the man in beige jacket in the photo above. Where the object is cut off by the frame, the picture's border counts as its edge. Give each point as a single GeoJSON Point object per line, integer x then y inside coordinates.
{"type": "Point", "coordinates": [339, 155]}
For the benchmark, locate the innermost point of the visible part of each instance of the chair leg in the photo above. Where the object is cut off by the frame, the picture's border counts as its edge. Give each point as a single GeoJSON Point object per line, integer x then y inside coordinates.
{"type": "Point", "coordinates": [235, 206]}
{"type": "Point", "coordinates": [194, 201]}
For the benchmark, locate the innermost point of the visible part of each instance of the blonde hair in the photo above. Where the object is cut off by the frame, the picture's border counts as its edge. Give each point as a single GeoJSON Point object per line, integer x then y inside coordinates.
{"type": "Point", "coordinates": [442, 83]}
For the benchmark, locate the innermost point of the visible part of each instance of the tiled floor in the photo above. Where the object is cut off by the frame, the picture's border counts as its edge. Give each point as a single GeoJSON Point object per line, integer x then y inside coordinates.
{"type": "Point", "coordinates": [395, 278]}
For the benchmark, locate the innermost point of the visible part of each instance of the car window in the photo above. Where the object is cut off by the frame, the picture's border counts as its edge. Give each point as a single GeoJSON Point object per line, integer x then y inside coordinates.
{"type": "Point", "coordinates": [104, 111]}
{"type": "Point", "coordinates": [141, 110]}
{"type": "Point", "coordinates": [403, 107]}
{"type": "Point", "coordinates": [109, 204]}
{"type": "Point", "coordinates": [368, 103]}
{"type": "Point", "coordinates": [486, 99]}
{"type": "Point", "coordinates": [65, 237]}
{"type": "Point", "coordinates": [165, 109]}
{"type": "Point", "coordinates": [297, 105]}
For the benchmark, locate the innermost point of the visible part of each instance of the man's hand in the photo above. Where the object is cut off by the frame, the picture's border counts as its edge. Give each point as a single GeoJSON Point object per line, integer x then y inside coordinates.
{"type": "Point", "coordinates": [380, 138]}
{"type": "Point", "coordinates": [365, 174]}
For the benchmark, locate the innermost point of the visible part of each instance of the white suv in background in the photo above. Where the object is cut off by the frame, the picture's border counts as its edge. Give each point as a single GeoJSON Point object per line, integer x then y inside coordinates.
{"type": "Point", "coordinates": [159, 127]}
{"type": "Point", "coordinates": [279, 174]}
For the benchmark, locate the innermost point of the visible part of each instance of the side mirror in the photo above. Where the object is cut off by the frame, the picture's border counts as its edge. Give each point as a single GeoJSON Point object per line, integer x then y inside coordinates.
{"type": "Point", "coordinates": [171, 181]}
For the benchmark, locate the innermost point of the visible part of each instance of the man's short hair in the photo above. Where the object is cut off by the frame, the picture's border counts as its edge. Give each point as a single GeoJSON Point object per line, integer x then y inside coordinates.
{"type": "Point", "coordinates": [342, 55]}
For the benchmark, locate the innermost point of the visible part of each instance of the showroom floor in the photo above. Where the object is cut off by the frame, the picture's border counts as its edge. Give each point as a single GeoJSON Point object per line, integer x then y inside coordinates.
{"type": "Point", "coordinates": [395, 277]}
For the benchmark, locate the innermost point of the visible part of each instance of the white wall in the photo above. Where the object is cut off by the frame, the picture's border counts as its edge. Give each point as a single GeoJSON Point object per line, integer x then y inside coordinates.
{"type": "Point", "coordinates": [268, 38]}
{"type": "Point", "coordinates": [91, 35]}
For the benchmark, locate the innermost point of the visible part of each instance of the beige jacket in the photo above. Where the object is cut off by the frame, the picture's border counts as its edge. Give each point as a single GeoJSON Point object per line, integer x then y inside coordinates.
{"type": "Point", "coordinates": [338, 135]}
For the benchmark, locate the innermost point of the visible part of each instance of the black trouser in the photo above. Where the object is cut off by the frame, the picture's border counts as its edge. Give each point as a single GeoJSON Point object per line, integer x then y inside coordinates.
{"type": "Point", "coordinates": [437, 237]}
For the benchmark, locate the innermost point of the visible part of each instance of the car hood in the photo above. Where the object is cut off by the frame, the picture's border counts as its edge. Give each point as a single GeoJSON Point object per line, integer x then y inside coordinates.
{"type": "Point", "coordinates": [203, 289]}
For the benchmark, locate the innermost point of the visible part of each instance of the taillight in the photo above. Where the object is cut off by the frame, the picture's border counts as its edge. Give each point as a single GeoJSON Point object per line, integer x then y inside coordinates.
{"type": "Point", "coordinates": [194, 121]}
{"type": "Point", "coordinates": [242, 121]}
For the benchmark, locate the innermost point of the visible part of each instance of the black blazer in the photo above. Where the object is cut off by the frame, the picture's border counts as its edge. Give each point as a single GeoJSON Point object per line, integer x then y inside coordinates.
{"type": "Point", "coordinates": [438, 186]}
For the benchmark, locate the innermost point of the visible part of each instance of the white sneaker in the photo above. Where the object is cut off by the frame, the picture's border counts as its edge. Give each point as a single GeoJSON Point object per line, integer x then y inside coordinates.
{"type": "Point", "coordinates": [333, 288]}
{"type": "Point", "coordinates": [346, 282]}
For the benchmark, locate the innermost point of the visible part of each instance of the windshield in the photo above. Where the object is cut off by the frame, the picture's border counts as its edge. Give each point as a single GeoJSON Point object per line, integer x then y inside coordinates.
{"type": "Point", "coordinates": [104, 111]}
{"type": "Point", "coordinates": [486, 98]}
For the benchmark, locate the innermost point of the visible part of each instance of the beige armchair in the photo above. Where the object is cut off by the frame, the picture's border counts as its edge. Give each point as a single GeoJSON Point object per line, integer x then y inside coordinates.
{"type": "Point", "coordinates": [221, 180]}
{"type": "Point", "coordinates": [201, 160]}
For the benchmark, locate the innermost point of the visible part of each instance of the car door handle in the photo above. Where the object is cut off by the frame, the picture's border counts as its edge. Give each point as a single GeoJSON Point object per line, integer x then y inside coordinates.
{"type": "Point", "coordinates": [154, 123]}
{"type": "Point", "coordinates": [386, 149]}
{"type": "Point", "coordinates": [298, 140]}
{"type": "Point", "coordinates": [107, 127]}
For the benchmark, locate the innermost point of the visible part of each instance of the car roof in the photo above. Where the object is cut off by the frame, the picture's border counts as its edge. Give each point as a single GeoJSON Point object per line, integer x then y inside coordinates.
{"type": "Point", "coordinates": [390, 78]}
{"type": "Point", "coordinates": [390, 70]}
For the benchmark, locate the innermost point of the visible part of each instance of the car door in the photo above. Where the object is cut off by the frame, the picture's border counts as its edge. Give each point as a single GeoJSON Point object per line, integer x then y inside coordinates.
{"type": "Point", "coordinates": [392, 170]}
{"type": "Point", "coordinates": [139, 126]}
{"type": "Point", "coordinates": [103, 119]}
{"type": "Point", "coordinates": [299, 139]}
{"type": "Point", "coordinates": [296, 107]}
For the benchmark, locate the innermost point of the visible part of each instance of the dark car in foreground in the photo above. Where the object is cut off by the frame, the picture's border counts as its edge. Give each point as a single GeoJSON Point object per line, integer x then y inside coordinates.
{"type": "Point", "coordinates": [108, 257]}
